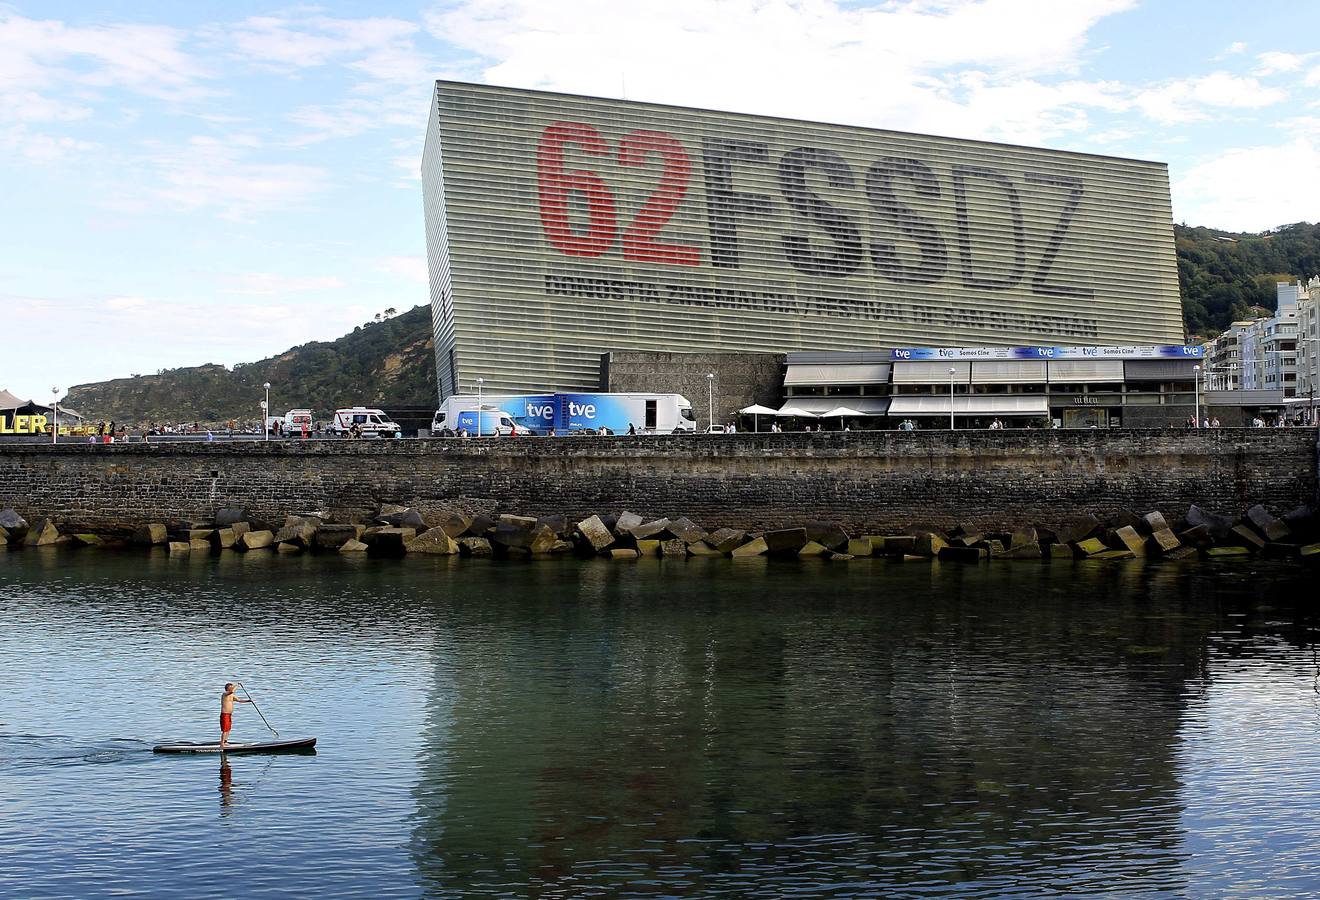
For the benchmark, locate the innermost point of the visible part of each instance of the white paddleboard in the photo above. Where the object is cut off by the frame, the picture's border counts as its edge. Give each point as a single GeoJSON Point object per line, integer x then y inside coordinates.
{"type": "Point", "coordinates": [288, 746]}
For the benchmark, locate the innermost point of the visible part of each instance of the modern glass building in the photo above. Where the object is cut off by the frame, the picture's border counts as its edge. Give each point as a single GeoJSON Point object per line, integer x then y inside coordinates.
{"type": "Point", "coordinates": [562, 227]}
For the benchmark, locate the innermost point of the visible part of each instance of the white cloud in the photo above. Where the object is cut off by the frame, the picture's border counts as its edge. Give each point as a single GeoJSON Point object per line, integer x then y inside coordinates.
{"type": "Point", "coordinates": [267, 283]}
{"type": "Point", "coordinates": [123, 304]}
{"type": "Point", "coordinates": [889, 65]}
{"type": "Point", "coordinates": [412, 268]}
{"type": "Point", "coordinates": [381, 48]}
{"type": "Point", "coordinates": [1193, 99]}
{"type": "Point", "coordinates": [218, 173]}
{"type": "Point", "coordinates": [1234, 48]}
{"type": "Point", "coordinates": [1252, 188]}
{"type": "Point", "coordinates": [1276, 61]}
{"type": "Point", "coordinates": [42, 147]}
{"type": "Point", "coordinates": [146, 59]}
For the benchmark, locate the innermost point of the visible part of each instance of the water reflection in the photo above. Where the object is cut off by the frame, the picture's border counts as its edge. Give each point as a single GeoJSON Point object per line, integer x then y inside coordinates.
{"type": "Point", "coordinates": [763, 735]}
{"type": "Point", "coordinates": [699, 728]}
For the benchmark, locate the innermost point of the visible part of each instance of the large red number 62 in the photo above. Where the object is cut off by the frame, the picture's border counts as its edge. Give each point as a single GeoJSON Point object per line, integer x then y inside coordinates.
{"type": "Point", "coordinates": [555, 184]}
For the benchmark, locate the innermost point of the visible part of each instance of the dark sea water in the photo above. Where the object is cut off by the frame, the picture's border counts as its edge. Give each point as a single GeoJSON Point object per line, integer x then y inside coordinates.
{"type": "Point", "coordinates": [704, 728]}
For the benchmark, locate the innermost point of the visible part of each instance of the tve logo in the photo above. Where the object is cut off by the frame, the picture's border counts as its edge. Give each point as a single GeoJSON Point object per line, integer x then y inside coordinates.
{"type": "Point", "coordinates": [544, 412]}
{"type": "Point", "coordinates": [902, 354]}
{"type": "Point", "coordinates": [586, 410]}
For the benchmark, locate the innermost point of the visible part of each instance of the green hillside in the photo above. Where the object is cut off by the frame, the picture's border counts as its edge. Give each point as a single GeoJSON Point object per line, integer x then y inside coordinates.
{"type": "Point", "coordinates": [380, 363]}
{"type": "Point", "coordinates": [1224, 275]}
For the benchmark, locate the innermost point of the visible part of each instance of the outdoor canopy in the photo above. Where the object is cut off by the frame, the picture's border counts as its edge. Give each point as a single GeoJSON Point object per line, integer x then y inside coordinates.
{"type": "Point", "coordinates": [756, 410]}
{"type": "Point", "coordinates": [794, 411]}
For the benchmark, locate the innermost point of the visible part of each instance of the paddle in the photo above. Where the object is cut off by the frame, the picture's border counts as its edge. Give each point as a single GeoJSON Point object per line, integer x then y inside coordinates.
{"type": "Point", "coordinates": [257, 708]}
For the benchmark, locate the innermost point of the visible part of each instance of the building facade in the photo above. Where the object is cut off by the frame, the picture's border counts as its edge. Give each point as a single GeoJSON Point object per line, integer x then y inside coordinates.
{"type": "Point", "coordinates": [560, 228]}
{"type": "Point", "coordinates": [1040, 387]}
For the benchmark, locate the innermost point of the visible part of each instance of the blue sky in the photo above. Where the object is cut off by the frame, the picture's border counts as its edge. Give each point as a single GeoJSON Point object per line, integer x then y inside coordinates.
{"type": "Point", "coordinates": [217, 182]}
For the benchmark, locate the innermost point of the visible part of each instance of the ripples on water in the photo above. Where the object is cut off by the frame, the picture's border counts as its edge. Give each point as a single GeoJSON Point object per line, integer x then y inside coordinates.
{"type": "Point", "coordinates": [567, 729]}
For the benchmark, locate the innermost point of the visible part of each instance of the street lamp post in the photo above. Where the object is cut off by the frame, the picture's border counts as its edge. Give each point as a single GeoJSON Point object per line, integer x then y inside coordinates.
{"type": "Point", "coordinates": [265, 412]}
{"type": "Point", "coordinates": [1196, 392]}
{"type": "Point", "coordinates": [480, 382]}
{"type": "Point", "coordinates": [951, 373]}
{"type": "Point", "coordinates": [55, 410]}
{"type": "Point", "coordinates": [710, 402]}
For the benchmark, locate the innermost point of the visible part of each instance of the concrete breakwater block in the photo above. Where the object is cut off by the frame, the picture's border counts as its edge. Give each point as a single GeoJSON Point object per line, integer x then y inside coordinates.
{"type": "Point", "coordinates": [828, 535]}
{"type": "Point", "coordinates": [654, 529]}
{"type": "Point", "coordinates": [627, 521]}
{"type": "Point", "coordinates": [299, 535]}
{"type": "Point", "coordinates": [332, 537]}
{"type": "Point", "coordinates": [812, 548]}
{"type": "Point", "coordinates": [388, 540]}
{"type": "Point", "coordinates": [255, 540]}
{"type": "Point", "coordinates": [927, 543]}
{"type": "Point", "coordinates": [1090, 547]}
{"type": "Point", "coordinates": [726, 539]}
{"type": "Point", "coordinates": [1271, 528]}
{"type": "Point", "coordinates": [199, 545]}
{"type": "Point", "coordinates": [223, 538]}
{"type": "Point", "coordinates": [624, 553]}
{"type": "Point", "coordinates": [151, 534]}
{"type": "Point", "coordinates": [1132, 542]}
{"type": "Point", "coordinates": [785, 540]}
{"type": "Point", "coordinates": [859, 547]}
{"type": "Point", "coordinates": [454, 523]}
{"type": "Point", "coordinates": [352, 545]}
{"type": "Point", "coordinates": [435, 541]}
{"type": "Point", "coordinates": [86, 540]}
{"type": "Point", "coordinates": [648, 547]}
{"type": "Point", "coordinates": [1227, 552]}
{"type": "Point", "coordinates": [1163, 540]}
{"type": "Point", "coordinates": [43, 533]}
{"type": "Point", "coordinates": [1246, 537]}
{"type": "Point", "coordinates": [178, 548]}
{"type": "Point", "coordinates": [673, 548]}
{"type": "Point", "coordinates": [702, 548]}
{"type": "Point", "coordinates": [595, 533]}
{"type": "Point", "coordinates": [1155, 521]}
{"type": "Point", "coordinates": [474, 546]}
{"type": "Point", "coordinates": [686, 530]}
{"type": "Point", "coordinates": [1219, 526]}
{"type": "Point", "coordinates": [754, 547]}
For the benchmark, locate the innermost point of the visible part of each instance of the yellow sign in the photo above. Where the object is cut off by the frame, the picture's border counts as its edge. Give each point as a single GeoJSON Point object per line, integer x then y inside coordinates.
{"type": "Point", "coordinates": [23, 425]}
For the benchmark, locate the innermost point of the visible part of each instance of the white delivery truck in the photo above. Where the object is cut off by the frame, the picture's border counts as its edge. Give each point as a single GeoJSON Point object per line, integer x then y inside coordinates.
{"type": "Point", "coordinates": [492, 419]}
{"type": "Point", "coordinates": [565, 413]}
{"type": "Point", "coordinates": [370, 421]}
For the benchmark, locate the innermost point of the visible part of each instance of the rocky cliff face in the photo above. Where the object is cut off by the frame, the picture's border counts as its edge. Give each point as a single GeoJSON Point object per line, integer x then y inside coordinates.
{"type": "Point", "coordinates": [389, 362]}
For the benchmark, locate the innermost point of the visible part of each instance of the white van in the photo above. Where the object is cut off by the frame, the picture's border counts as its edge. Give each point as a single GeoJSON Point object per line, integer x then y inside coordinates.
{"type": "Point", "coordinates": [295, 419]}
{"type": "Point", "coordinates": [371, 421]}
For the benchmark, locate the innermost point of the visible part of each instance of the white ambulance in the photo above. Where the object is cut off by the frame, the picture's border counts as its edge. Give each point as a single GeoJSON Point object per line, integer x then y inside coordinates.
{"type": "Point", "coordinates": [370, 421]}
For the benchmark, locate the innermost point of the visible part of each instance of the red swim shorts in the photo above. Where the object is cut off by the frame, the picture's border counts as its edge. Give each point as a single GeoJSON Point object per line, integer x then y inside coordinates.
{"type": "Point", "coordinates": [226, 721]}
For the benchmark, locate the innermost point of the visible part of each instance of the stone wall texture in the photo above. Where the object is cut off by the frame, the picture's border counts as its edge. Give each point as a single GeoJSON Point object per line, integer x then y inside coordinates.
{"type": "Point", "coordinates": [867, 481]}
{"type": "Point", "coordinates": [741, 379]}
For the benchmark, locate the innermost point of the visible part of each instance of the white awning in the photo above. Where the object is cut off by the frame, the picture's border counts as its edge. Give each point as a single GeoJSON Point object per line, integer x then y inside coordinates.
{"type": "Point", "coordinates": [1008, 371]}
{"type": "Point", "coordinates": [865, 406]}
{"type": "Point", "coordinates": [1073, 371]}
{"type": "Point", "coordinates": [794, 411]}
{"type": "Point", "coordinates": [974, 405]}
{"type": "Point", "coordinates": [930, 372]}
{"type": "Point", "coordinates": [800, 375]}
{"type": "Point", "coordinates": [757, 409]}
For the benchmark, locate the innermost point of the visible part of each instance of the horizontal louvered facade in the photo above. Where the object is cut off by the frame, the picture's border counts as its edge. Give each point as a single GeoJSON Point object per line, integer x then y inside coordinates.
{"type": "Point", "coordinates": [561, 227]}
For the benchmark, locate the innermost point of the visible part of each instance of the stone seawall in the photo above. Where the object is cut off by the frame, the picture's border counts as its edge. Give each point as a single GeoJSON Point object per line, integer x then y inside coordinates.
{"type": "Point", "coordinates": [865, 481]}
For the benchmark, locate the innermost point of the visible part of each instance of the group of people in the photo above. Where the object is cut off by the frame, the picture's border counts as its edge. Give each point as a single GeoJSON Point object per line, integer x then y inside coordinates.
{"type": "Point", "coordinates": [1206, 422]}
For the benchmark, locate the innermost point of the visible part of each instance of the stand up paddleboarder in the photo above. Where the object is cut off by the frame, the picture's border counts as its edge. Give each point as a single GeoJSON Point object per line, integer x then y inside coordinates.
{"type": "Point", "coordinates": [227, 701]}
